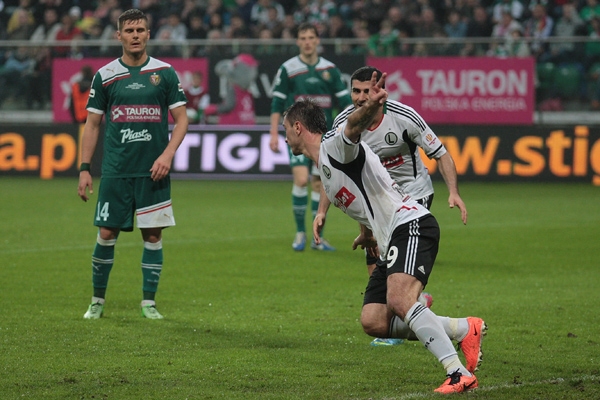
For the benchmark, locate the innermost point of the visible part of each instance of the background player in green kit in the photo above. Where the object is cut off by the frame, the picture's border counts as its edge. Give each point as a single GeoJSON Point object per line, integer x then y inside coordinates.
{"type": "Point", "coordinates": [136, 92]}
{"type": "Point", "coordinates": [306, 75]}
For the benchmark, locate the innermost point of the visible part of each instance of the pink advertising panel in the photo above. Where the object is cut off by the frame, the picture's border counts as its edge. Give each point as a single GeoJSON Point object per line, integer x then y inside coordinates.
{"type": "Point", "coordinates": [449, 90]}
{"type": "Point", "coordinates": [65, 72]}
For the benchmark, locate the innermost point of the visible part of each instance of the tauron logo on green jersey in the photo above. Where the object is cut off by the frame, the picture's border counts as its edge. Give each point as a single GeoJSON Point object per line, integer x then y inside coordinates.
{"type": "Point", "coordinates": [137, 113]}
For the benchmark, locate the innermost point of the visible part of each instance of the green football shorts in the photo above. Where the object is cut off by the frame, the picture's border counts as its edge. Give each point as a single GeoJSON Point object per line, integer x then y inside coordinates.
{"type": "Point", "coordinates": [120, 199]}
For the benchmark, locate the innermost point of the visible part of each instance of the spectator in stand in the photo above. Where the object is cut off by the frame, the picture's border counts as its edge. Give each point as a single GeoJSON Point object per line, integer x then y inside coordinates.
{"type": "Point", "coordinates": [592, 48]}
{"type": "Point", "coordinates": [153, 8]}
{"type": "Point", "coordinates": [21, 25]}
{"type": "Point", "coordinates": [168, 49]}
{"type": "Point", "coordinates": [319, 11]}
{"type": "Point", "coordinates": [300, 11]}
{"type": "Point", "coordinates": [428, 28]}
{"type": "Point", "coordinates": [260, 12]}
{"type": "Point", "coordinates": [215, 22]}
{"type": "Point", "coordinates": [479, 27]}
{"type": "Point", "coordinates": [503, 29]}
{"type": "Point", "coordinates": [103, 11]}
{"type": "Point", "coordinates": [385, 42]}
{"type": "Point", "coordinates": [196, 31]}
{"type": "Point", "coordinates": [373, 12]}
{"type": "Point", "coordinates": [466, 9]}
{"type": "Point", "coordinates": [244, 9]}
{"type": "Point", "coordinates": [267, 48]}
{"type": "Point", "coordinates": [539, 28]}
{"type": "Point", "coordinates": [428, 25]}
{"type": "Point", "coordinates": [94, 32]}
{"type": "Point", "coordinates": [109, 35]}
{"type": "Point", "coordinates": [514, 45]}
{"type": "Point", "coordinates": [409, 8]}
{"type": "Point", "coordinates": [215, 7]}
{"type": "Point", "coordinates": [39, 81]}
{"type": "Point", "coordinates": [273, 22]}
{"type": "Point", "coordinates": [568, 25]}
{"type": "Point", "coordinates": [174, 30]}
{"type": "Point", "coordinates": [239, 31]}
{"type": "Point", "coordinates": [514, 7]}
{"type": "Point", "coordinates": [12, 11]}
{"type": "Point", "coordinates": [75, 13]}
{"type": "Point", "coordinates": [455, 28]}
{"type": "Point", "coordinates": [289, 24]}
{"type": "Point", "coordinates": [361, 32]}
{"type": "Point", "coordinates": [397, 17]}
{"type": "Point", "coordinates": [67, 32]}
{"type": "Point", "coordinates": [288, 5]}
{"type": "Point", "coordinates": [590, 10]}
{"type": "Point", "coordinates": [2, 29]}
{"type": "Point", "coordinates": [86, 22]}
{"type": "Point", "coordinates": [337, 29]}
{"type": "Point", "coordinates": [214, 49]}
{"type": "Point", "coordinates": [190, 7]}
{"type": "Point", "coordinates": [15, 73]}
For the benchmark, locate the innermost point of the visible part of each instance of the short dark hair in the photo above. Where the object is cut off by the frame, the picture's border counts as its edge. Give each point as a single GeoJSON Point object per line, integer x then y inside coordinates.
{"type": "Point", "coordinates": [132, 15]}
{"type": "Point", "coordinates": [309, 114]}
{"type": "Point", "coordinates": [307, 26]}
{"type": "Point", "coordinates": [364, 74]}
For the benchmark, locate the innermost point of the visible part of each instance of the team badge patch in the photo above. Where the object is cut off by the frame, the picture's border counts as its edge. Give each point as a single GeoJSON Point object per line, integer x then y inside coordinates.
{"type": "Point", "coordinates": [326, 75]}
{"type": "Point", "coordinates": [154, 79]}
{"type": "Point", "coordinates": [327, 172]}
{"type": "Point", "coordinates": [391, 138]}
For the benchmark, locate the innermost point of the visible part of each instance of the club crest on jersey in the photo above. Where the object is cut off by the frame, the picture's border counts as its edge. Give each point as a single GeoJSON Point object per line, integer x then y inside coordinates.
{"type": "Point", "coordinates": [154, 79]}
{"type": "Point", "coordinates": [326, 75]}
{"type": "Point", "coordinates": [326, 172]}
{"type": "Point", "coordinates": [344, 198]}
{"type": "Point", "coordinates": [391, 138]}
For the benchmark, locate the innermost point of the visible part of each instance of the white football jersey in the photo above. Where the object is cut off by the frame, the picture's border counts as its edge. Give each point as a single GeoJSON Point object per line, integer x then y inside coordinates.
{"type": "Point", "coordinates": [355, 181]}
{"type": "Point", "coordinates": [396, 140]}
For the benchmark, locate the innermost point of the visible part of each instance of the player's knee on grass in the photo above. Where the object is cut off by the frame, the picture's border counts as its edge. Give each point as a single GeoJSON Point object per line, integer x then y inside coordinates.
{"type": "Point", "coordinates": [375, 320]}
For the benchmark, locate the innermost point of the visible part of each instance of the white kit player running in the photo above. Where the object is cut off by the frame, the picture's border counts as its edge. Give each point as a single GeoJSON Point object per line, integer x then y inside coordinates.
{"type": "Point", "coordinates": [404, 231]}
{"type": "Point", "coordinates": [395, 135]}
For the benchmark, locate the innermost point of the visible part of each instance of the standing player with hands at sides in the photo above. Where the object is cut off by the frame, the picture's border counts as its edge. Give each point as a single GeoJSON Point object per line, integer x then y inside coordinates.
{"type": "Point", "coordinates": [395, 135]}
{"type": "Point", "coordinates": [306, 76]}
{"type": "Point", "coordinates": [136, 92]}
{"type": "Point", "coordinates": [355, 181]}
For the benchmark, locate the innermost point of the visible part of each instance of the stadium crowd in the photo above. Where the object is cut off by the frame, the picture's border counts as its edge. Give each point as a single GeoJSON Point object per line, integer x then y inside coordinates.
{"type": "Point", "coordinates": [515, 28]}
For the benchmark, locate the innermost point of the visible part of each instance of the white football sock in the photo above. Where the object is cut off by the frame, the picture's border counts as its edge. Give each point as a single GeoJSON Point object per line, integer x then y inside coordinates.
{"type": "Point", "coordinates": [430, 331]}
{"type": "Point", "coordinates": [456, 328]}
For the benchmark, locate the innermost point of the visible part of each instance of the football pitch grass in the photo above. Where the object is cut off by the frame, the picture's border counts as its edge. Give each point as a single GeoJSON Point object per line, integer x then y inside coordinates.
{"type": "Point", "coordinates": [248, 318]}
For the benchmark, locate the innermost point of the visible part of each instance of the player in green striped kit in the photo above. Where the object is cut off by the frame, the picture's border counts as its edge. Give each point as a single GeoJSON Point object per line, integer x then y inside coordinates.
{"type": "Point", "coordinates": [306, 75]}
{"type": "Point", "coordinates": [136, 92]}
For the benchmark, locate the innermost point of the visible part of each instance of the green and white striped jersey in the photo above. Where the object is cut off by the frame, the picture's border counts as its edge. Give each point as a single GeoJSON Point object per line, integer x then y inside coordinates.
{"type": "Point", "coordinates": [136, 101]}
